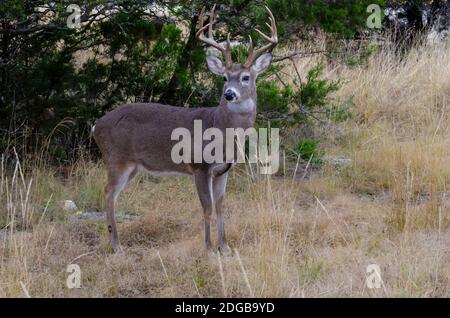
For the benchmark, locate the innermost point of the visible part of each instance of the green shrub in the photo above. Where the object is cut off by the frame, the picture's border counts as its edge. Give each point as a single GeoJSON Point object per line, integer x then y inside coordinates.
{"type": "Point", "coordinates": [134, 56]}
{"type": "Point", "coordinates": [272, 98]}
{"type": "Point", "coordinates": [308, 150]}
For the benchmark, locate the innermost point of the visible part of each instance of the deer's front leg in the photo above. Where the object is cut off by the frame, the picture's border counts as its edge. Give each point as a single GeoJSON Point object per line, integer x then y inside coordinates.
{"type": "Point", "coordinates": [219, 187]}
{"type": "Point", "coordinates": [203, 182]}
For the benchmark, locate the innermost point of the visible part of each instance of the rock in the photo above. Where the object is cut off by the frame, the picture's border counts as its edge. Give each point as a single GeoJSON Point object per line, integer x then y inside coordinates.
{"type": "Point", "coordinates": [69, 205]}
{"type": "Point", "coordinates": [97, 216]}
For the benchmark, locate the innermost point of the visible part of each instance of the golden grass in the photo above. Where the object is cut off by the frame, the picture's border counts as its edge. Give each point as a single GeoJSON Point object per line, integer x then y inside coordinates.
{"type": "Point", "coordinates": [399, 139]}
{"type": "Point", "coordinates": [311, 236]}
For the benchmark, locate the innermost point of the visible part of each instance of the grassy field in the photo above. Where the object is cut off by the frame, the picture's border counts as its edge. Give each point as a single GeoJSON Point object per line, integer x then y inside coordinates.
{"type": "Point", "coordinates": [303, 233]}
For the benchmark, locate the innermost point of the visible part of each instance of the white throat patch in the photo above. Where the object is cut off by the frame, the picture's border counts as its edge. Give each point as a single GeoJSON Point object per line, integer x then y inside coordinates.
{"type": "Point", "coordinates": [246, 106]}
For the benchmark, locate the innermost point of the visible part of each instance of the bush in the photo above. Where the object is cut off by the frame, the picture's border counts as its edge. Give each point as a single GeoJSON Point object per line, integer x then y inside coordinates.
{"type": "Point", "coordinates": [271, 98]}
{"type": "Point", "coordinates": [134, 56]}
{"type": "Point", "coordinates": [308, 150]}
{"type": "Point", "coordinates": [298, 104]}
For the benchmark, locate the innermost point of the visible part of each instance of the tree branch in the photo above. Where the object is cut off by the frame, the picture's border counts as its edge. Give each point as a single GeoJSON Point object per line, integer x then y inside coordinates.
{"type": "Point", "coordinates": [297, 53]}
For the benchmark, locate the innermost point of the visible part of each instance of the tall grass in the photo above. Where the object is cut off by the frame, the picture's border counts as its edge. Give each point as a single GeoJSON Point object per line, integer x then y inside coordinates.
{"type": "Point", "coordinates": [399, 140]}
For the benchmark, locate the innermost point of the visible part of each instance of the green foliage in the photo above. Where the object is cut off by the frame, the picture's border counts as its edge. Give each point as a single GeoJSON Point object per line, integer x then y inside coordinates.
{"type": "Point", "coordinates": [272, 98]}
{"type": "Point", "coordinates": [299, 104]}
{"type": "Point", "coordinates": [345, 17]}
{"type": "Point", "coordinates": [308, 150]}
{"type": "Point", "coordinates": [314, 93]}
{"type": "Point", "coordinates": [49, 72]}
{"type": "Point", "coordinates": [296, 104]}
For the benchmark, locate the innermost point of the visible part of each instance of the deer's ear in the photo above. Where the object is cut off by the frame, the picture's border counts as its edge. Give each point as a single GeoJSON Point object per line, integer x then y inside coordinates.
{"type": "Point", "coordinates": [215, 65]}
{"type": "Point", "coordinates": [262, 63]}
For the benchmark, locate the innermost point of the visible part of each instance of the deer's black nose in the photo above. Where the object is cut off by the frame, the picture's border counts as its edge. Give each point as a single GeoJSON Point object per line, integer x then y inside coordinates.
{"type": "Point", "coordinates": [230, 95]}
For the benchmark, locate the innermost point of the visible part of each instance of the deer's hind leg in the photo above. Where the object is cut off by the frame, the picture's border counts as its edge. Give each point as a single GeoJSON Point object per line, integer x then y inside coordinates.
{"type": "Point", "coordinates": [118, 177]}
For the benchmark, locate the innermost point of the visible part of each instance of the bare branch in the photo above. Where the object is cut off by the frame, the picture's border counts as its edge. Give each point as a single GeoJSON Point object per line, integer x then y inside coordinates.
{"type": "Point", "coordinates": [297, 53]}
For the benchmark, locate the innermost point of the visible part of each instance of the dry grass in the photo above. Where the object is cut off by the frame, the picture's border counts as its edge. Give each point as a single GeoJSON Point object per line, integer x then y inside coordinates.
{"type": "Point", "coordinates": [399, 140]}
{"type": "Point", "coordinates": [293, 237]}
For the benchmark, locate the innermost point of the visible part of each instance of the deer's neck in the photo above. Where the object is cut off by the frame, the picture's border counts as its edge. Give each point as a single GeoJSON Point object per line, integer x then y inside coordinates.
{"type": "Point", "coordinates": [245, 107]}
{"type": "Point", "coordinates": [236, 115]}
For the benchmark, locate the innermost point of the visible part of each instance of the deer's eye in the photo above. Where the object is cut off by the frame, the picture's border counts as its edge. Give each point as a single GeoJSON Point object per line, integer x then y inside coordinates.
{"type": "Point", "coordinates": [246, 78]}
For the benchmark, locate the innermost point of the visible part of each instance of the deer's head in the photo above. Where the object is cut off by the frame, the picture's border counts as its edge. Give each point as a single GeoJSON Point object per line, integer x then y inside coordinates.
{"type": "Point", "coordinates": [240, 79]}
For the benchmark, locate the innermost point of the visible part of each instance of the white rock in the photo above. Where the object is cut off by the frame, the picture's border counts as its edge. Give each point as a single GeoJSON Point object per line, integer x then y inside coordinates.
{"type": "Point", "coordinates": [69, 205]}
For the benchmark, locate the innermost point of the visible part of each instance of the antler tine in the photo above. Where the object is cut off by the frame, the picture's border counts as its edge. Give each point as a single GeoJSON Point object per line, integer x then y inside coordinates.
{"type": "Point", "coordinates": [250, 45]}
{"type": "Point", "coordinates": [212, 18]}
{"type": "Point", "coordinates": [226, 52]}
{"type": "Point", "coordinates": [200, 22]}
{"type": "Point", "coordinates": [273, 41]}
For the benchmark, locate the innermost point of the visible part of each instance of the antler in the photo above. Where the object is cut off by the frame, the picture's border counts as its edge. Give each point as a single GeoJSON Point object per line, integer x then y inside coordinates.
{"type": "Point", "coordinates": [273, 41]}
{"type": "Point", "coordinates": [226, 52]}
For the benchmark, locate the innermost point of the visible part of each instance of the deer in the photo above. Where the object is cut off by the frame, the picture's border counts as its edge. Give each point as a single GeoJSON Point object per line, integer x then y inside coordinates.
{"type": "Point", "coordinates": [136, 137]}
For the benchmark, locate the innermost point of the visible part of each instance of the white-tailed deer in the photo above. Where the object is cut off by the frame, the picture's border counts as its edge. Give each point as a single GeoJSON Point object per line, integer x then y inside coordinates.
{"type": "Point", "coordinates": [136, 137]}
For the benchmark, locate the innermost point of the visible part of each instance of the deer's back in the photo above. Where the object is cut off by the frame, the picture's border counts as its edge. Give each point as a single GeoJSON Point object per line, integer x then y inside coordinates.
{"type": "Point", "coordinates": [142, 132]}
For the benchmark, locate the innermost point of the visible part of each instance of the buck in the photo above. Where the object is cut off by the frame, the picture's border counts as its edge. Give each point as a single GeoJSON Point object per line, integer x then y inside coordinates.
{"type": "Point", "coordinates": [137, 137]}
